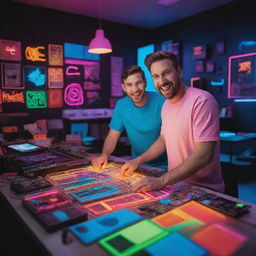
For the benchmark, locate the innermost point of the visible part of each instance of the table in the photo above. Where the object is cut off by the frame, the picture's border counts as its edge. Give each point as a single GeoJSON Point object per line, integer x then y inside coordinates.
{"type": "Point", "coordinates": [51, 243]}
{"type": "Point", "coordinates": [234, 139]}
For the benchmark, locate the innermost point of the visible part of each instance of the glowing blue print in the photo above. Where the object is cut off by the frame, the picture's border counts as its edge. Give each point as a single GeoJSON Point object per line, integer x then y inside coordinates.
{"type": "Point", "coordinates": [37, 78]}
{"type": "Point", "coordinates": [246, 43]}
{"type": "Point", "coordinates": [218, 83]}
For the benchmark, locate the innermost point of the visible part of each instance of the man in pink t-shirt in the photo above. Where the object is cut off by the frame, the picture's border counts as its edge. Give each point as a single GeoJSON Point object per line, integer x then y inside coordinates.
{"type": "Point", "coordinates": [189, 133]}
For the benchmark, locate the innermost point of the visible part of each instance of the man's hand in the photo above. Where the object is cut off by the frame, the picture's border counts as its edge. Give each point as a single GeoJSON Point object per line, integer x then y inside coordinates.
{"type": "Point", "coordinates": [130, 166]}
{"type": "Point", "coordinates": [100, 162]}
{"type": "Point", "coordinates": [149, 183]}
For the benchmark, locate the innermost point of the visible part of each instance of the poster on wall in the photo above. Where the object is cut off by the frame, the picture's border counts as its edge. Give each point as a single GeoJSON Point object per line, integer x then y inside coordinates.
{"type": "Point", "coordinates": [199, 52]}
{"type": "Point", "coordinates": [116, 71]}
{"type": "Point", "coordinates": [36, 99]}
{"type": "Point", "coordinates": [89, 86]}
{"type": "Point", "coordinates": [171, 47]}
{"type": "Point", "coordinates": [13, 101]}
{"type": "Point", "coordinates": [55, 52]}
{"type": "Point", "coordinates": [10, 50]}
{"type": "Point", "coordinates": [242, 76]}
{"type": "Point", "coordinates": [11, 77]}
{"type": "Point", "coordinates": [55, 98]}
{"type": "Point", "coordinates": [55, 78]}
{"type": "Point", "coordinates": [34, 77]}
{"type": "Point", "coordinates": [92, 98]}
{"type": "Point", "coordinates": [35, 53]}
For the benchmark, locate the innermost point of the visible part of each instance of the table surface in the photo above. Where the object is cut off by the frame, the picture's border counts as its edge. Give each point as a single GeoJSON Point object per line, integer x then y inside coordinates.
{"type": "Point", "coordinates": [52, 242]}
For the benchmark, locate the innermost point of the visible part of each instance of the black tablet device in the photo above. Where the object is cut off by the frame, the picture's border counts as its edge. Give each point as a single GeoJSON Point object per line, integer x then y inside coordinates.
{"type": "Point", "coordinates": [24, 147]}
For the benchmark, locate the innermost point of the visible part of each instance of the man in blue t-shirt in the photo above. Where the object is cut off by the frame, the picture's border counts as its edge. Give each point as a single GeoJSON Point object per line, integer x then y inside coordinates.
{"type": "Point", "coordinates": [139, 113]}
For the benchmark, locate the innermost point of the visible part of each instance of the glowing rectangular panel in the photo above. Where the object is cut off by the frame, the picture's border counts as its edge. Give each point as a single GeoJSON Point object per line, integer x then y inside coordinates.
{"type": "Point", "coordinates": [171, 218]}
{"type": "Point", "coordinates": [93, 193]}
{"type": "Point", "coordinates": [92, 230]}
{"type": "Point", "coordinates": [55, 52]}
{"type": "Point", "coordinates": [9, 129]}
{"type": "Point", "coordinates": [142, 52]}
{"type": "Point", "coordinates": [133, 238]}
{"type": "Point", "coordinates": [78, 51]}
{"type": "Point", "coordinates": [10, 50]}
{"type": "Point", "coordinates": [201, 212]}
{"type": "Point", "coordinates": [46, 200]}
{"type": "Point", "coordinates": [36, 99]}
{"type": "Point", "coordinates": [177, 245]}
{"type": "Point", "coordinates": [55, 78]}
{"type": "Point", "coordinates": [242, 76]}
{"type": "Point", "coordinates": [11, 96]}
{"type": "Point", "coordinates": [118, 202]}
{"type": "Point", "coordinates": [219, 239]}
{"type": "Point", "coordinates": [55, 98]}
{"type": "Point", "coordinates": [11, 76]}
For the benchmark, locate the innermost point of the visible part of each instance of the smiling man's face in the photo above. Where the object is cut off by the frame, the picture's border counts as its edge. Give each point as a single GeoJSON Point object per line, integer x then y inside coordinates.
{"type": "Point", "coordinates": [167, 78]}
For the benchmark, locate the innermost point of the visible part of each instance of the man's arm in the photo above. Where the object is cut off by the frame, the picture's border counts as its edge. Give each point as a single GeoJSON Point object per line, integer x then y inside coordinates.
{"type": "Point", "coordinates": [155, 150]}
{"type": "Point", "coordinates": [202, 156]}
{"type": "Point", "coordinates": [108, 147]}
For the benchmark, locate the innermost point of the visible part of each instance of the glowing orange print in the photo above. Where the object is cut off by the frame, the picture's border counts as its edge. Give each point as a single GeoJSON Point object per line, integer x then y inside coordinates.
{"type": "Point", "coordinates": [245, 66]}
{"type": "Point", "coordinates": [34, 54]}
{"type": "Point", "coordinates": [13, 97]}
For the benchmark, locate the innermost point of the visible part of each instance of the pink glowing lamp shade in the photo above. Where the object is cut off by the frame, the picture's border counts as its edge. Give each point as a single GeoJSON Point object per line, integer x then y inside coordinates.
{"type": "Point", "coordinates": [100, 44]}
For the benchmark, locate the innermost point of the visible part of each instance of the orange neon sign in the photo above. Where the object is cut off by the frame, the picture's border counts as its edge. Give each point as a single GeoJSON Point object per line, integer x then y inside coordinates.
{"type": "Point", "coordinates": [34, 54]}
{"type": "Point", "coordinates": [13, 96]}
{"type": "Point", "coordinates": [245, 66]}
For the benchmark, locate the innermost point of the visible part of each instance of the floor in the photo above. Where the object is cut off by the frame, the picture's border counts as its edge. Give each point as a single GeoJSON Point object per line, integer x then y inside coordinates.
{"type": "Point", "coordinates": [247, 191]}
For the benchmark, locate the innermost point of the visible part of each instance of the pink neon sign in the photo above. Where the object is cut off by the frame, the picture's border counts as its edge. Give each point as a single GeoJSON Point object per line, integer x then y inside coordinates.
{"type": "Point", "coordinates": [73, 95]}
{"type": "Point", "coordinates": [70, 71]}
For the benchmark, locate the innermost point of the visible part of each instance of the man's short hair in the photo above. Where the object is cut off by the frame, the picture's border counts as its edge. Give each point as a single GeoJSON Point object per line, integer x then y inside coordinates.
{"type": "Point", "coordinates": [130, 70]}
{"type": "Point", "coordinates": [161, 55]}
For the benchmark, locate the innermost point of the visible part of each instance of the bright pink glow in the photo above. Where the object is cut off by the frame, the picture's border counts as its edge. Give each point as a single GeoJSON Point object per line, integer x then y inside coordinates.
{"type": "Point", "coordinates": [74, 95]}
{"type": "Point", "coordinates": [70, 71]}
{"type": "Point", "coordinates": [79, 62]}
{"type": "Point", "coordinates": [47, 200]}
{"type": "Point", "coordinates": [100, 44]}
{"type": "Point", "coordinates": [229, 70]}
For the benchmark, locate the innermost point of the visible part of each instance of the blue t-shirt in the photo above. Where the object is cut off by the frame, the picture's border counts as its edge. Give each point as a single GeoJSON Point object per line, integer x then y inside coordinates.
{"type": "Point", "coordinates": [142, 124]}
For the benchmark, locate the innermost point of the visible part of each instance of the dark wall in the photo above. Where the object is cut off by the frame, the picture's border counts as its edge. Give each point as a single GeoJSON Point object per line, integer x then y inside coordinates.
{"type": "Point", "coordinates": [35, 25]}
{"type": "Point", "coordinates": [233, 23]}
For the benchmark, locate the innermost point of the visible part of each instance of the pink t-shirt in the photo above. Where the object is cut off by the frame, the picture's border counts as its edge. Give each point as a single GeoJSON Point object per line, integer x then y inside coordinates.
{"type": "Point", "coordinates": [195, 118]}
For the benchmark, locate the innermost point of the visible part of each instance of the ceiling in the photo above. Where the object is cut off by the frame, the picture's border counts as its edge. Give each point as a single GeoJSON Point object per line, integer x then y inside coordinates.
{"type": "Point", "coordinates": [141, 13]}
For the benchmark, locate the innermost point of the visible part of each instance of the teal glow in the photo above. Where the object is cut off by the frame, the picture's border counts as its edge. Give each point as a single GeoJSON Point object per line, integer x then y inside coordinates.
{"type": "Point", "coordinates": [246, 43]}
{"type": "Point", "coordinates": [77, 51]}
{"type": "Point", "coordinates": [245, 100]}
{"type": "Point", "coordinates": [37, 78]}
{"type": "Point", "coordinates": [218, 83]}
{"type": "Point", "coordinates": [142, 52]}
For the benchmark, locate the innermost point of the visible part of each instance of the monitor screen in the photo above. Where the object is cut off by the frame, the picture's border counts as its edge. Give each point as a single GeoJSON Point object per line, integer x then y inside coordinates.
{"type": "Point", "coordinates": [24, 147]}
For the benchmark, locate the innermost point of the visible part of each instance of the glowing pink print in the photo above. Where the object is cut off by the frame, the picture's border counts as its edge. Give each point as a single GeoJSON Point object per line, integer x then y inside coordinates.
{"type": "Point", "coordinates": [74, 95]}
{"type": "Point", "coordinates": [70, 71]}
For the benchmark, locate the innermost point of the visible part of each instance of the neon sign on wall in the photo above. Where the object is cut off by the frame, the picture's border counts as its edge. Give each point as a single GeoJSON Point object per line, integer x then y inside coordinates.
{"type": "Point", "coordinates": [245, 66]}
{"type": "Point", "coordinates": [34, 77]}
{"type": "Point", "coordinates": [10, 50]}
{"type": "Point", "coordinates": [12, 96]}
{"type": "Point", "coordinates": [36, 99]}
{"type": "Point", "coordinates": [242, 76]}
{"type": "Point", "coordinates": [35, 54]}
{"type": "Point", "coordinates": [73, 95]}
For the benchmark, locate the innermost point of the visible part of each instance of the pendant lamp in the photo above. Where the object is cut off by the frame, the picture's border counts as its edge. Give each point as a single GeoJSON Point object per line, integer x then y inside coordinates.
{"type": "Point", "coordinates": [100, 44]}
